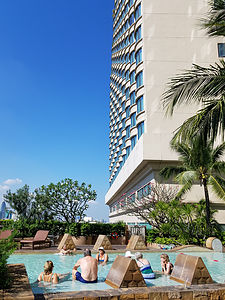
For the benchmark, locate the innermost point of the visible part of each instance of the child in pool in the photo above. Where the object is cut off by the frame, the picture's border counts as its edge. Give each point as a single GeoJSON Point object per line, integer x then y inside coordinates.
{"type": "Point", "coordinates": [167, 266]}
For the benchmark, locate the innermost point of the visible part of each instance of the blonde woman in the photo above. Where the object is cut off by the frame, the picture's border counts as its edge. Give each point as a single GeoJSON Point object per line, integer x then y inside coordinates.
{"type": "Point", "coordinates": [48, 275]}
{"type": "Point", "coordinates": [167, 266]}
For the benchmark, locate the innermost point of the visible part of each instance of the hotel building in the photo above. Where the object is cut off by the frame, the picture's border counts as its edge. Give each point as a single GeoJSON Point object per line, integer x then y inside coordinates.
{"type": "Point", "coordinates": [153, 40]}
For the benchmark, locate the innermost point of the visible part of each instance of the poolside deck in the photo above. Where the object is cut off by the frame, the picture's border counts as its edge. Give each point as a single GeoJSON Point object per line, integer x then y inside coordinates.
{"type": "Point", "coordinates": [116, 248]}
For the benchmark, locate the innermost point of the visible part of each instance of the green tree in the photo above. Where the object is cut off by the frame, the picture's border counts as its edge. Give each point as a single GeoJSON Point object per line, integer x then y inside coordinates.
{"type": "Point", "coordinates": [201, 85]}
{"type": "Point", "coordinates": [20, 201]}
{"type": "Point", "coordinates": [66, 200]}
{"type": "Point", "coordinates": [200, 162]}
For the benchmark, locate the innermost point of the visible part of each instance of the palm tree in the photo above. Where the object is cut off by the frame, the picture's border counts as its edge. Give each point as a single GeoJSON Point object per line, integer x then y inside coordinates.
{"type": "Point", "coordinates": [200, 162]}
{"type": "Point", "coordinates": [205, 86]}
{"type": "Point", "coordinates": [215, 21]}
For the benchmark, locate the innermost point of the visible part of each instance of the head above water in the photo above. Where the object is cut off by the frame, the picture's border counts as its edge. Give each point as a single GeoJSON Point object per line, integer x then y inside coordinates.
{"type": "Point", "coordinates": [138, 255]}
{"type": "Point", "coordinates": [48, 267]}
{"type": "Point", "coordinates": [128, 254]}
{"type": "Point", "coordinates": [87, 252]}
{"type": "Point", "coordinates": [165, 257]}
{"type": "Point", "coordinates": [101, 249]}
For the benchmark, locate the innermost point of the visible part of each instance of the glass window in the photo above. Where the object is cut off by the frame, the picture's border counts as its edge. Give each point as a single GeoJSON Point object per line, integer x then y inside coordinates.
{"type": "Point", "coordinates": [127, 75]}
{"type": "Point", "coordinates": [139, 56]}
{"type": "Point", "coordinates": [221, 49]}
{"type": "Point", "coordinates": [132, 57]}
{"type": "Point", "coordinates": [127, 92]}
{"type": "Point", "coordinates": [139, 79]}
{"type": "Point", "coordinates": [138, 34]}
{"type": "Point", "coordinates": [133, 142]}
{"type": "Point", "coordinates": [140, 129]}
{"type": "Point", "coordinates": [127, 112]}
{"type": "Point", "coordinates": [140, 104]}
{"type": "Point", "coordinates": [131, 19]}
{"type": "Point", "coordinates": [133, 120]}
{"type": "Point", "coordinates": [132, 38]}
{"type": "Point", "coordinates": [132, 98]}
{"type": "Point", "coordinates": [128, 151]}
{"type": "Point", "coordinates": [128, 132]}
{"type": "Point", "coordinates": [123, 89]}
{"type": "Point", "coordinates": [127, 58]}
{"type": "Point", "coordinates": [123, 123]}
{"type": "Point", "coordinates": [132, 77]}
{"type": "Point", "coordinates": [123, 139]}
{"type": "Point", "coordinates": [138, 12]}
{"type": "Point", "coordinates": [123, 106]}
{"type": "Point", "coordinates": [131, 2]}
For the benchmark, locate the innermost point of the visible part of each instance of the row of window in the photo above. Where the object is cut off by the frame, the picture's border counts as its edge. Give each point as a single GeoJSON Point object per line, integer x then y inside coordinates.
{"type": "Point", "coordinates": [128, 40]}
{"type": "Point", "coordinates": [128, 149]}
{"type": "Point", "coordinates": [123, 14]}
{"type": "Point", "coordinates": [124, 200]}
{"type": "Point", "coordinates": [128, 58]}
{"type": "Point", "coordinates": [128, 23]}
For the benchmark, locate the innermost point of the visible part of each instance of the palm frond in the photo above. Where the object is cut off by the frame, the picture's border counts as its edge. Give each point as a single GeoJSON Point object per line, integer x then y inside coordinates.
{"type": "Point", "coordinates": [195, 85]}
{"type": "Point", "coordinates": [218, 152]}
{"type": "Point", "coordinates": [209, 121]}
{"type": "Point", "coordinates": [218, 186]}
{"type": "Point", "coordinates": [170, 171]}
{"type": "Point", "coordinates": [186, 177]}
{"type": "Point", "coordinates": [214, 23]}
{"type": "Point", "coordinates": [219, 167]}
{"type": "Point", "coordinates": [184, 189]}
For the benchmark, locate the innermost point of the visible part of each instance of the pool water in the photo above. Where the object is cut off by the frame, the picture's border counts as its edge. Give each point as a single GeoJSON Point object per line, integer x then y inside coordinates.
{"type": "Point", "coordinates": [215, 263]}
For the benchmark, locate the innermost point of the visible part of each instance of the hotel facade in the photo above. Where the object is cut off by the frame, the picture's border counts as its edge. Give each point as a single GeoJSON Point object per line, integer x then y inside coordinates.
{"type": "Point", "coordinates": [153, 40]}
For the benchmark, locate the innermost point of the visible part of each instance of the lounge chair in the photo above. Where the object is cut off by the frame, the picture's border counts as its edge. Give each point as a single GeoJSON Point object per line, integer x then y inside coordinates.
{"type": "Point", "coordinates": [40, 238]}
{"type": "Point", "coordinates": [5, 234]}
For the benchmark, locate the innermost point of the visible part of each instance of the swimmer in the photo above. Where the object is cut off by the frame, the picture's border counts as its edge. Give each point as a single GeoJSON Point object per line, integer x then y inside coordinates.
{"type": "Point", "coordinates": [102, 257]}
{"type": "Point", "coordinates": [145, 267]}
{"type": "Point", "coordinates": [48, 275]}
{"type": "Point", "coordinates": [167, 266]}
{"type": "Point", "coordinates": [89, 268]}
{"type": "Point", "coordinates": [65, 251]}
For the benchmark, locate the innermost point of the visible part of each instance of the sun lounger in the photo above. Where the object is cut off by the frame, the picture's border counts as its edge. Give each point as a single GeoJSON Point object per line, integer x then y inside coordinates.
{"type": "Point", "coordinates": [39, 239]}
{"type": "Point", "coordinates": [5, 234]}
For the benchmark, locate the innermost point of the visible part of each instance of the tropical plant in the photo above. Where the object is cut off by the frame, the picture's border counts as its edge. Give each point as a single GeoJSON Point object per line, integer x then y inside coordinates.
{"type": "Point", "coordinates": [202, 85]}
{"type": "Point", "coordinates": [7, 247]}
{"type": "Point", "coordinates": [215, 21]}
{"type": "Point", "coordinates": [200, 162]}
{"type": "Point", "coordinates": [183, 223]}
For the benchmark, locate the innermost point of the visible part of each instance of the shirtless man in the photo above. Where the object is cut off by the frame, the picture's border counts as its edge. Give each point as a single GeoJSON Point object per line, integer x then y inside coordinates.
{"type": "Point", "coordinates": [89, 268]}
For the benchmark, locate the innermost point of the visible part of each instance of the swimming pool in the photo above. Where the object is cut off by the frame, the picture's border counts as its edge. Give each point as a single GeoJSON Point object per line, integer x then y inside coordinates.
{"type": "Point", "coordinates": [215, 262]}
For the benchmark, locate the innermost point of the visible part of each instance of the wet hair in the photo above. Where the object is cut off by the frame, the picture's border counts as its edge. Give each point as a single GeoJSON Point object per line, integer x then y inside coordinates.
{"type": "Point", "coordinates": [48, 267]}
{"type": "Point", "coordinates": [87, 252]}
{"type": "Point", "coordinates": [138, 255]}
{"type": "Point", "coordinates": [166, 257]}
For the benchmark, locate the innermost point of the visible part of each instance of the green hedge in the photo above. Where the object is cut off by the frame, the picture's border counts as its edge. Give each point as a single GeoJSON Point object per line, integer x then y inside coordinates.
{"type": "Point", "coordinates": [28, 228]}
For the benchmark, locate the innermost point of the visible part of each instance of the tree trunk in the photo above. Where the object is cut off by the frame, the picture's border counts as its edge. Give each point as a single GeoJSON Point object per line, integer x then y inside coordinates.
{"type": "Point", "coordinates": [207, 204]}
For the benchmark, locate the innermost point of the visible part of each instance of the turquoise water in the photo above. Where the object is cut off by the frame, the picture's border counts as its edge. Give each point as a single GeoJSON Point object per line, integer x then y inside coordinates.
{"type": "Point", "coordinates": [215, 263]}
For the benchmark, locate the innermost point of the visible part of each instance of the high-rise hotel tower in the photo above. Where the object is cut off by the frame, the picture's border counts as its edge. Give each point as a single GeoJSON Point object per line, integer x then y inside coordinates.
{"type": "Point", "coordinates": [153, 40]}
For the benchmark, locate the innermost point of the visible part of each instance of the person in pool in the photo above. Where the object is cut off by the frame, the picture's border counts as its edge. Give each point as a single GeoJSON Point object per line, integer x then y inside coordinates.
{"type": "Point", "coordinates": [89, 268]}
{"type": "Point", "coordinates": [102, 257]}
{"type": "Point", "coordinates": [48, 274]}
{"type": "Point", "coordinates": [145, 267]}
{"type": "Point", "coordinates": [167, 266]}
{"type": "Point", "coordinates": [65, 251]}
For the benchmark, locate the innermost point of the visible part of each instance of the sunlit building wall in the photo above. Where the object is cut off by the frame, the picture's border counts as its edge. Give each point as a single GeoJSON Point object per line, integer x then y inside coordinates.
{"type": "Point", "coordinates": [153, 40]}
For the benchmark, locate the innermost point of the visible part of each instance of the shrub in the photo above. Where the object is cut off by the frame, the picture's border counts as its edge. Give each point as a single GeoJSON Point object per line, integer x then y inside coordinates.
{"type": "Point", "coordinates": [7, 247]}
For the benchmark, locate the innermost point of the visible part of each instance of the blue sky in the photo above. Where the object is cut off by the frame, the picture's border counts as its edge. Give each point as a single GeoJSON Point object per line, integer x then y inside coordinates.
{"type": "Point", "coordinates": [54, 93]}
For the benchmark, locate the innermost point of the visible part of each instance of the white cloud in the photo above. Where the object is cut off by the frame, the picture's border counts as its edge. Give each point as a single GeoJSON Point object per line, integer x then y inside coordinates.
{"type": "Point", "coordinates": [13, 181]}
{"type": "Point", "coordinates": [93, 202]}
{"type": "Point", "coordinates": [4, 187]}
